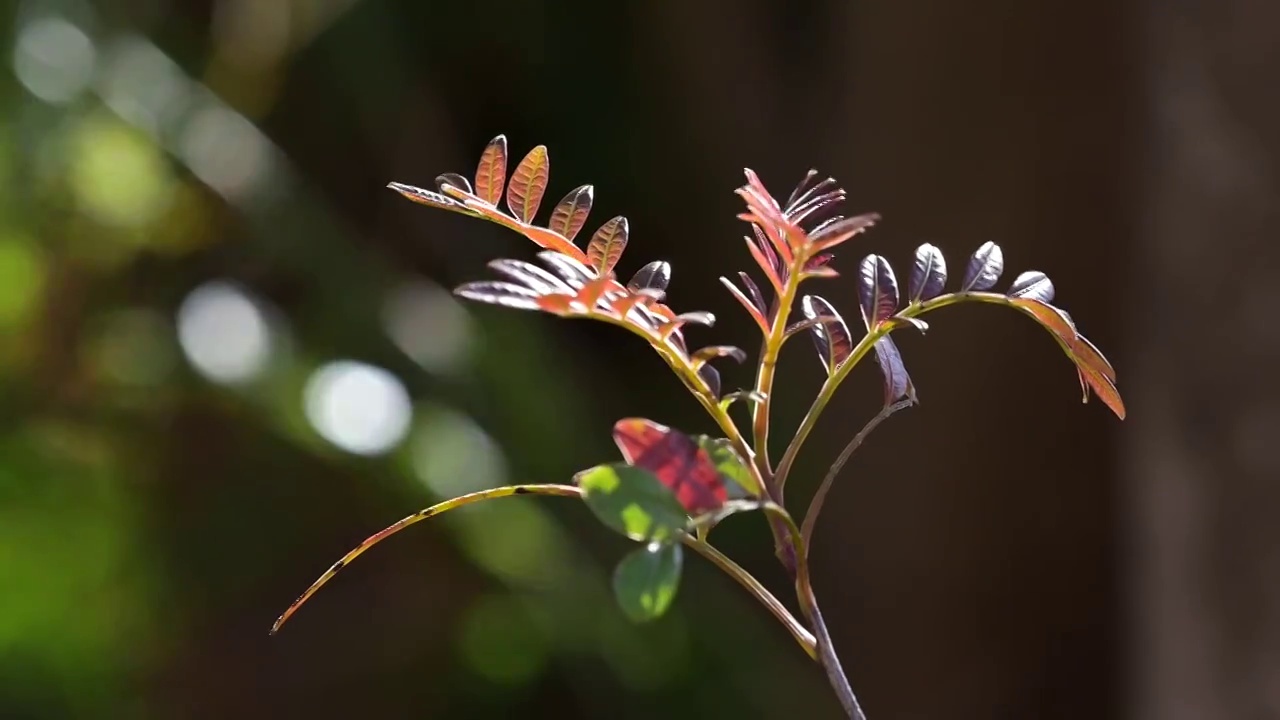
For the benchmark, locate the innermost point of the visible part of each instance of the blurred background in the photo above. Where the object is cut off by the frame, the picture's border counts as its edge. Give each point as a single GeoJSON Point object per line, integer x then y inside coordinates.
{"type": "Point", "coordinates": [229, 354]}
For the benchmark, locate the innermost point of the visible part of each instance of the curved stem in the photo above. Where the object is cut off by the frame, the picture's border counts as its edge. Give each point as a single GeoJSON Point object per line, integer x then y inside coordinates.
{"type": "Point", "coordinates": [768, 367]}
{"type": "Point", "coordinates": [809, 606]}
{"type": "Point", "coordinates": [761, 593]}
{"type": "Point", "coordinates": [815, 505]}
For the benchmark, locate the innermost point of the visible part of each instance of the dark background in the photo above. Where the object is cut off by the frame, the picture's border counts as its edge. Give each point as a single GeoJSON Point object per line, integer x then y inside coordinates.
{"type": "Point", "coordinates": [999, 552]}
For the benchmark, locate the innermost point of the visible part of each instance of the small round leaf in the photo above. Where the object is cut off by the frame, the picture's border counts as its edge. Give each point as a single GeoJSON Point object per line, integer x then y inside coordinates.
{"type": "Point", "coordinates": [632, 501]}
{"type": "Point", "coordinates": [646, 580]}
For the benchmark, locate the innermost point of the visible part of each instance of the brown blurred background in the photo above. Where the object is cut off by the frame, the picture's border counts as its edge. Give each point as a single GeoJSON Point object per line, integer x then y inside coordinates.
{"type": "Point", "coordinates": [230, 354]}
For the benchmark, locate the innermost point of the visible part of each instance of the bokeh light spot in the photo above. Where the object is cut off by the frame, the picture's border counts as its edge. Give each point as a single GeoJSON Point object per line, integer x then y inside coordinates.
{"type": "Point", "coordinates": [53, 59]}
{"type": "Point", "coordinates": [360, 408]}
{"type": "Point", "coordinates": [453, 455]}
{"type": "Point", "coordinates": [499, 641]}
{"type": "Point", "coordinates": [429, 325]}
{"type": "Point", "coordinates": [119, 175]}
{"type": "Point", "coordinates": [223, 333]}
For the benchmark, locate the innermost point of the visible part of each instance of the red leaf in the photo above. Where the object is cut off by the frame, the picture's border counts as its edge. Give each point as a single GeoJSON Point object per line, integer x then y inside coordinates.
{"type": "Point", "coordinates": [571, 213]}
{"type": "Point", "coordinates": [607, 245]}
{"type": "Point", "coordinates": [751, 308]}
{"type": "Point", "coordinates": [838, 232]}
{"type": "Point", "coordinates": [528, 184]}
{"type": "Point", "coordinates": [492, 171]}
{"type": "Point", "coordinates": [765, 265]}
{"type": "Point", "coordinates": [676, 460]}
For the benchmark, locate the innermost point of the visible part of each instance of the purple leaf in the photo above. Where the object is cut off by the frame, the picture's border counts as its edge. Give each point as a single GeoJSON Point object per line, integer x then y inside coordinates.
{"type": "Point", "coordinates": [897, 383]}
{"type": "Point", "coordinates": [928, 275]}
{"type": "Point", "coordinates": [712, 377]}
{"type": "Point", "coordinates": [877, 289]}
{"type": "Point", "coordinates": [1033, 285]}
{"type": "Point", "coordinates": [831, 337]}
{"type": "Point", "coordinates": [655, 275]}
{"type": "Point", "coordinates": [983, 271]}
{"type": "Point", "coordinates": [453, 179]}
{"type": "Point", "coordinates": [837, 232]}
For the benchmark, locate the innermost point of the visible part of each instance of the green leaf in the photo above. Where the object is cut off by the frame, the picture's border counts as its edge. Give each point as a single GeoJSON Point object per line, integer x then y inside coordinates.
{"type": "Point", "coordinates": [632, 501]}
{"type": "Point", "coordinates": [646, 580]}
{"type": "Point", "coordinates": [737, 478]}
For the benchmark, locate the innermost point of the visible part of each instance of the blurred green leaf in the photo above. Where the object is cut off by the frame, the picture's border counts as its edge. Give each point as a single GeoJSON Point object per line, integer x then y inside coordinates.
{"type": "Point", "coordinates": [632, 501]}
{"type": "Point", "coordinates": [646, 580]}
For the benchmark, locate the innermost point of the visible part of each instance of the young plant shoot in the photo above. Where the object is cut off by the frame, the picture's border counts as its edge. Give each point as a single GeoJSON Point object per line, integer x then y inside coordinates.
{"type": "Point", "coordinates": [670, 488]}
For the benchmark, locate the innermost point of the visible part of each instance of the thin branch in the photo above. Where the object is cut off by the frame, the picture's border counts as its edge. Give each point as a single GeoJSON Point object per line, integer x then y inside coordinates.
{"type": "Point", "coordinates": [815, 505]}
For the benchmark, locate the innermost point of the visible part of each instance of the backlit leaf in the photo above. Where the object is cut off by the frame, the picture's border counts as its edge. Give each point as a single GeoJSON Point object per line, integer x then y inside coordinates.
{"type": "Point", "coordinates": [646, 579]}
{"type": "Point", "coordinates": [532, 276]}
{"type": "Point", "coordinates": [1054, 320]}
{"type": "Point", "coordinates": [753, 292]}
{"type": "Point", "coordinates": [984, 268]}
{"type": "Point", "coordinates": [571, 271]}
{"type": "Point", "coordinates": [928, 274]}
{"type": "Point", "coordinates": [1093, 357]}
{"type": "Point", "coordinates": [897, 383]}
{"type": "Point", "coordinates": [838, 232]}
{"type": "Point", "coordinates": [1103, 387]}
{"type": "Point", "coordinates": [491, 174]}
{"type": "Point", "coordinates": [831, 338]}
{"type": "Point", "coordinates": [429, 198]}
{"type": "Point", "coordinates": [877, 290]}
{"type": "Point", "coordinates": [675, 459]}
{"type": "Point", "coordinates": [607, 245]}
{"type": "Point", "coordinates": [631, 500]}
{"type": "Point", "coordinates": [655, 275]}
{"type": "Point", "coordinates": [497, 292]}
{"type": "Point", "coordinates": [746, 303]}
{"type": "Point", "coordinates": [1034, 285]}
{"type": "Point", "coordinates": [453, 179]}
{"type": "Point", "coordinates": [571, 213]}
{"type": "Point", "coordinates": [715, 351]}
{"type": "Point", "coordinates": [528, 183]}
{"type": "Point", "coordinates": [732, 468]}
{"type": "Point", "coordinates": [765, 264]}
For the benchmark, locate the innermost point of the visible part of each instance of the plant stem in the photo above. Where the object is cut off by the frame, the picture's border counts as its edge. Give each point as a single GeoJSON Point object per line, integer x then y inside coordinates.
{"type": "Point", "coordinates": [768, 367]}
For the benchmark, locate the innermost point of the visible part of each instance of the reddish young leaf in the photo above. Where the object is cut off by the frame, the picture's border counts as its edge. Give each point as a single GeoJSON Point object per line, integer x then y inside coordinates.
{"type": "Point", "coordinates": [765, 265]}
{"type": "Point", "coordinates": [1054, 320]}
{"type": "Point", "coordinates": [1090, 355]}
{"type": "Point", "coordinates": [766, 249]}
{"type": "Point", "coordinates": [607, 245]}
{"type": "Point", "coordinates": [453, 179]}
{"type": "Point", "coordinates": [571, 213]}
{"type": "Point", "coordinates": [838, 232]}
{"type": "Point", "coordinates": [753, 292]}
{"type": "Point", "coordinates": [806, 210]}
{"type": "Point", "coordinates": [572, 271]}
{"type": "Point", "coordinates": [542, 237]}
{"type": "Point", "coordinates": [492, 171]}
{"type": "Point", "coordinates": [591, 293]}
{"type": "Point", "coordinates": [877, 289]}
{"type": "Point", "coordinates": [556, 304]}
{"type": "Point", "coordinates": [677, 461]}
{"type": "Point", "coordinates": [1104, 387]}
{"type": "Point", "coordinates": [1033, 285]}
{"type": "Point", "coordinates": [897, 383]}
{"type": "Point", "coordinates": [429, 198]}
{"type": "Point", "coordinates": [752, 310]}
{"type": "Point", "coordinates": [928, 274]}
{"type": "Point", "coordinates": [804, 190]}
{"type": "Point", "coordinates": [528, 184]}
{"type": "Point", "coordinates": [831, 338]}
{"type": "Point", "coordinates": [984, 268]}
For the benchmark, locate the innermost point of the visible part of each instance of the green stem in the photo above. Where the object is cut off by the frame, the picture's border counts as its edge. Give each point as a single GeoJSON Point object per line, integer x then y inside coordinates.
{"type": "Point", "coordinates": [768, 368]}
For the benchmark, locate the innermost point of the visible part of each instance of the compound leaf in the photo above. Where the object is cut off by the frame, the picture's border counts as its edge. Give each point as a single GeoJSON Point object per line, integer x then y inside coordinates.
{"type": "Point", "coordinates": [877, 289]}
{"type": "Point", "coordinates": [569, 215]}
{"type": "Point", "coordinates": [675, 459]}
